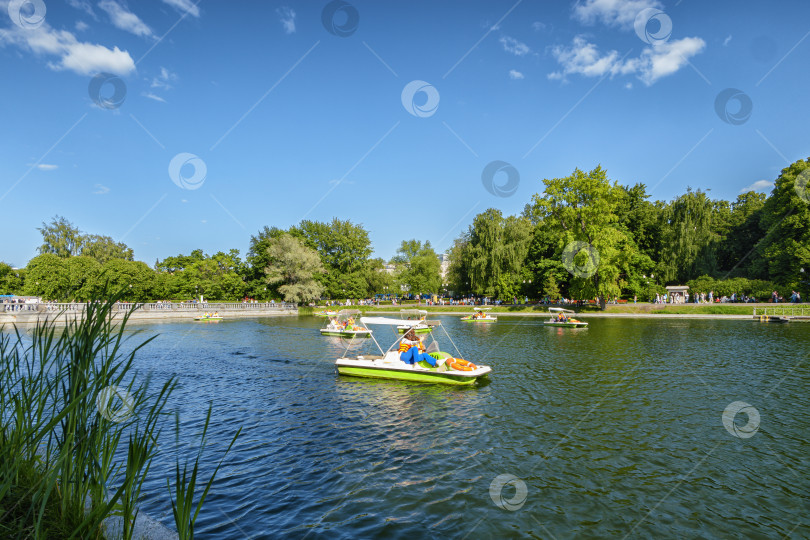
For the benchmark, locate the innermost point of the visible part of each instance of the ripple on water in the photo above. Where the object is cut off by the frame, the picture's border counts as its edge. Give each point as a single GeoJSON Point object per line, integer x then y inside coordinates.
{"type": "Point", "coordinates": [615, 429]}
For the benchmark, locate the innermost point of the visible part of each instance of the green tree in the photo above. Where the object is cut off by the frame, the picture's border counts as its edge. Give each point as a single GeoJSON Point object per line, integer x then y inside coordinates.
{"type": "Point", "coordinates": [134, 278]}
{"type": "Point", "coordinates": [785, 248]}
{"type": "Point", "coordinates": [744, 232]}
{"type": "Point", "coordinates": [104, 248]}
{"type": "Point", "coordinates": [543, 263]}
{"type": "Point", "coordinates": [293, 267]}
{"type": "Point", "coordinates": [46, 276]}
{"type": "Point", "coordinates": [82, 273]}
{"type": "Point", "coordinates": [583, 208]}
{"type": "Point", "coordinates": [11, 280]}
{"type": "Point", "coordinates": [687, 240]}
{"type": "Point", "coordinates": [550, 288]}
{"type": "Point", "coordinates": [378, 281]}
{"type": "Point", "coordinates": [344, 248]}
{"type": "Point", "coordinates": [641, 218]}
{"type": "Point", "coordinates": [257, 259]}
{"type": "Point", "coordinates": [420, 267]}
{"type": "Point", "coordinates": [492, 254]}
{"type": "Point", "coordinates": [60, 237]}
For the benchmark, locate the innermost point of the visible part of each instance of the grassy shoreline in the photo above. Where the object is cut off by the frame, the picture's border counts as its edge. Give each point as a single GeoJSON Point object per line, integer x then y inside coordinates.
{"type": "Point", "coordinates": [639, 309]}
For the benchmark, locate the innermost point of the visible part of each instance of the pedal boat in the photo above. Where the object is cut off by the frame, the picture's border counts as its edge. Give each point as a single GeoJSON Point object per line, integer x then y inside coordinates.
{"type": "Point", "coordinates": [565, 321]}
{"type": "Point", "coordinates": [480, 316]}
{"type": "Point", "coordinates": [388, 365]}
{"type": "Point", "coordinates": [418, 315]}
{"type": "Point", "coordinates": [342, 325]}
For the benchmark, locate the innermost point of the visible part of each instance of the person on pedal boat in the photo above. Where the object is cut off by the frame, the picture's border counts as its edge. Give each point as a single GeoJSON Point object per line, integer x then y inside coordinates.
{"type": "Point", "coordinates": [411, 350]}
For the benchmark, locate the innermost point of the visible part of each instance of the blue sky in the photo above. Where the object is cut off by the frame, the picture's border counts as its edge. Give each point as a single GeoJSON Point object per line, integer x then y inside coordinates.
{"type": "Point", "coordinates": [271, 112]}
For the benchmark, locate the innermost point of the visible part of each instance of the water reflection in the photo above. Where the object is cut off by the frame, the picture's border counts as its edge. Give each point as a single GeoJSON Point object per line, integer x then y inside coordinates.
{"type": "Point", "coordinates": [602, 424]}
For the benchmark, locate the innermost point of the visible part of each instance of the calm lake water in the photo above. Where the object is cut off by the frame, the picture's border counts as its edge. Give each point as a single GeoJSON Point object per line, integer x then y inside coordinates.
{"type": "Point", "coordinates": [614, 431]}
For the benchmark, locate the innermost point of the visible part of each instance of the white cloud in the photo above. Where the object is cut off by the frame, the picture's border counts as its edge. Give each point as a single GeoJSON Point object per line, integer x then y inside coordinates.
{"type": "Point", "coordinates": [621, 13]}
{"type": "Point", "coordinates": [516, 75]}
{"type": "Point", "coordinates": [83, 5]}
{"type": "Point", "coordinates": [666, 57]}
{"type": "Point", "coordinates": [759, 185]}
{"type": "Point", "coordinates": [287, 18]}
{"type": "Point", "coordinates": [727, 41]}
{"type": "Point", "coordinates": [46, 167]}
{"type": "Point", "coordinates": [584, 58]}
{"type": "Point", "coordinates": [185, 6]}
{"type": "Point", "coordinates": [511, 45]}
{"type": "Point", "coordinates": [150, 95]}
{"type": "Point", "coordinates": [83, 58]}
{"type": "Point", "coordinates": [537, 26]}
{"type": "Point", "coordinates": [163, 80]}
{"type": "Point", "coordinates": [101, 190]}
{"type": "Point", "coordinates": [81, 26]}
{"type": "Point", "coordinates": [124, 19]}
{"type": "Point", "coordinates": [629, 86]}
{"type": "Point", "coordinates": [659, 60]}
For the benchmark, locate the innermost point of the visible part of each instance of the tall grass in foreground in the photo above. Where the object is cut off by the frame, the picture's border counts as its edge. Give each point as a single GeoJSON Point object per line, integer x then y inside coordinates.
{"type": "Point", "coordinates": [68, 399]}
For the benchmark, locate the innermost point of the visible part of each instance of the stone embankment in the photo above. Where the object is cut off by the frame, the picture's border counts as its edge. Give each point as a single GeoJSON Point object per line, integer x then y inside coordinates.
{"type": "Point", "coordinates": [147, 312]}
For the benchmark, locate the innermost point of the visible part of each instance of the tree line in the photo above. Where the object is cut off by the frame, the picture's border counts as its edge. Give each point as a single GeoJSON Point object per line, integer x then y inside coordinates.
{"type": "Point", "coordinates": [583, 237]}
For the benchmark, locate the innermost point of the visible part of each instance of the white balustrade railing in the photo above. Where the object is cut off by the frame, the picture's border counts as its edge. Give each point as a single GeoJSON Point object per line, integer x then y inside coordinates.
{"type": "Point", "coordinates": [74, 307]}
{"type": "Point", "coordinates": [783, 311]}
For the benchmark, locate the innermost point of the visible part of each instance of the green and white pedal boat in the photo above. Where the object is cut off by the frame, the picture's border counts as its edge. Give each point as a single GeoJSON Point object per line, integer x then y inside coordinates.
{"type": "Point", "coordinates": [343, 325]}
{"type": "Point", "coordinates": [388, 365]}
{"type": "Point", "coordinates": [566, 321]}
{"type": "Point", "coordinates": [480, 316]}
{"type": "Point", "coordinates": [416, 315]}
{"type": "Point", "coordinates": [209, 318]}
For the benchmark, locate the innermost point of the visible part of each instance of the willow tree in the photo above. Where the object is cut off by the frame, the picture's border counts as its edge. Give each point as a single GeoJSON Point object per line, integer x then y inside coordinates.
{"type": "Point", "coordinates": [582, 209]}
{"type": "Point", "coordinates": [294, 267]}
{"type": "Point", "coordinates": [493, 252]}
{"type": "Point", "coordinates": [687, 238]}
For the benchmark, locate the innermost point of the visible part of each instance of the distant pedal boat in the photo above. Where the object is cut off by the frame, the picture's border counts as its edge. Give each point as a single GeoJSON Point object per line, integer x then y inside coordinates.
{"type": "Point", "coordinates": [342, 325]}
{"type": "Point", "coordinates": [417, 316]}
{"type": "Point", "coordinates": [566, 322]}
{"type": "Point", "coordinates": [480, 315]}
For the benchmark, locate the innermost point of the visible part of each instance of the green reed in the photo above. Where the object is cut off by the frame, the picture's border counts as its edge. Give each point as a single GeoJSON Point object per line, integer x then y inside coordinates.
{"type": "Point", "coordinates": [67, 400]}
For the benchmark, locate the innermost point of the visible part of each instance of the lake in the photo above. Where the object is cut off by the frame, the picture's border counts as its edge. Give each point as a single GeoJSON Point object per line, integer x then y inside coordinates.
{"type": "Point", "coordinates": [616, 430]}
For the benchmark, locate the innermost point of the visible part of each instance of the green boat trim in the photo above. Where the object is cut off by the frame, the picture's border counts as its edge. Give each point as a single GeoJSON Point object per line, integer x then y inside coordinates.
{"type": "Point", "coordinates": [404, 372]}
{"type": "Point", "coordinates": [415, 329]}
{"type": "Point", "coordinates": [470, 319]}
{"type": "Point", "coordinates": [567, 325]}
{"type": "Point", "coordinates": [336, 333]}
